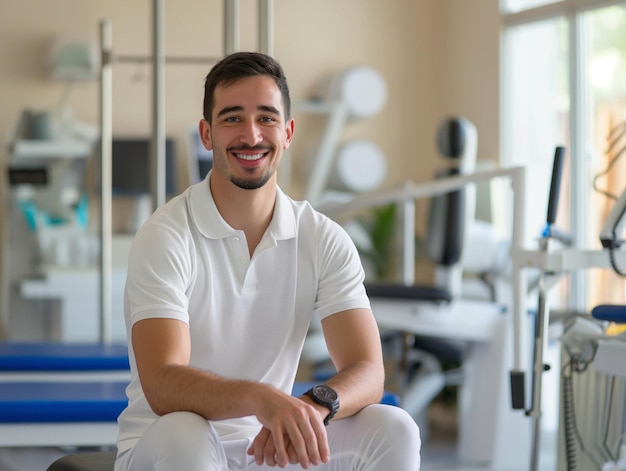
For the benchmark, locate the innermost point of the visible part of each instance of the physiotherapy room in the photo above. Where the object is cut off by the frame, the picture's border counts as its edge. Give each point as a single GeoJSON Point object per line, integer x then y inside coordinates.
{"type": "Point", "coordinates": [500, 85]}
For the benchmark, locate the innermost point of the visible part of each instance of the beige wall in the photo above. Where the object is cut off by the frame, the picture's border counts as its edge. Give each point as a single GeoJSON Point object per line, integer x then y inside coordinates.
{"type": "Point", "coordinates": [438, 57]}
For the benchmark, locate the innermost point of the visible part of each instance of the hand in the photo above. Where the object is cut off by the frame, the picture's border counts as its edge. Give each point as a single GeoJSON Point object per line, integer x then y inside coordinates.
{"type": "Point", "coordinates": [265, 445]}
{"type": "Point", "coordinates": [293, 432]}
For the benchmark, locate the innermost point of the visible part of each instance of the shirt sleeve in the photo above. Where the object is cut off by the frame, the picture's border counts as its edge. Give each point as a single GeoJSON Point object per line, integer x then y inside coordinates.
{"type": "Point", "coordinates": [158, 275]}
{"type": "Point", "coordinates": [341, 274]}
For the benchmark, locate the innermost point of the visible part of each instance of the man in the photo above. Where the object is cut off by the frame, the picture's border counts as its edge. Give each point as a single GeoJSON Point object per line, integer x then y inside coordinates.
{"type": "Point", "coordinates": [222, 283]}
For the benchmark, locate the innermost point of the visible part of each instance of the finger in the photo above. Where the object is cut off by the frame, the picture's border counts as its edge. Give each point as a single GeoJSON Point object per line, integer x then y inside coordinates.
{"type": "Point", "coordinates": [322, 441]}
{"type": "Point", "coordinates": [315, 438]}
{"type": "Point", "coordinates": [299, 436]}
{"type": "Point", "coordinates": [280, 453]}
{"type": "Point", "coordinates": [258, 445]}
{"type": "Point", "coordinates": [291, 452]}
{"type": "Point", "coordinates": [269, 453]}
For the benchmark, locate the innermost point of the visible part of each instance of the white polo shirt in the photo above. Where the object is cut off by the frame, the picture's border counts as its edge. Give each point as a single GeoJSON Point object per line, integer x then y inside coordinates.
{"type": "Point", "coordinates": [248, 317]}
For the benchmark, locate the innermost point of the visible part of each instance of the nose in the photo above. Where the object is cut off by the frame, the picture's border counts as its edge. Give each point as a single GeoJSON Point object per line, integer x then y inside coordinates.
{"type": "Point", "coordinates": [251, 133]}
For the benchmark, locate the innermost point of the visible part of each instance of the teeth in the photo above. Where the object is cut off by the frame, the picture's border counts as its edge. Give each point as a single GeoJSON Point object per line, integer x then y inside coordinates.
{"type": "Point", "coordinates": [249, 157]}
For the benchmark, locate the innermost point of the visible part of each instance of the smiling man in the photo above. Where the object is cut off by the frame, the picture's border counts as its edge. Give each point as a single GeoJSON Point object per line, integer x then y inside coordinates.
{"type": "Point", "coordinates": [222, 283]}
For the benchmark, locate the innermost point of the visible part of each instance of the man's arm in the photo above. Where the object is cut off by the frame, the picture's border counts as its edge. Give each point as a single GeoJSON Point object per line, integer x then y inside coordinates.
{"type": "Point", "coordinates": [162, 351]}
{"type": "Point", "coordinates": [354, 345]}
{"type": "Point", "coordinates": [353, 341]}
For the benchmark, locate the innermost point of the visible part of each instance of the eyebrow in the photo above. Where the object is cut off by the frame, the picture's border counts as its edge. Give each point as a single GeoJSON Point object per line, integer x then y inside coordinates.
{"type": "Point", "coordinates": [233, 109]}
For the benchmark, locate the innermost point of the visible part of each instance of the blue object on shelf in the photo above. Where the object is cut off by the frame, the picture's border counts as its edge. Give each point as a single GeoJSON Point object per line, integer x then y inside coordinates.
{"type": "Point", "coordinates": [610, 312]}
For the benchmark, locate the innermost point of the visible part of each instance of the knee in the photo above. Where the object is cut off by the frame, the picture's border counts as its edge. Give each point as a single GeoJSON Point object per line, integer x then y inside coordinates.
{"type": "Point", "coordinates": [178, 426]}
{"type": "Point", "coordinates": [394, 427]}
{"type": "Point", "coordinates": [176, 436]}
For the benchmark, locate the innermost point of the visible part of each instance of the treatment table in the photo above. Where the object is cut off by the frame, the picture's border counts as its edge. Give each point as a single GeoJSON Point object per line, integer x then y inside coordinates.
{"type": "Point", "coordinates": [61, 394]}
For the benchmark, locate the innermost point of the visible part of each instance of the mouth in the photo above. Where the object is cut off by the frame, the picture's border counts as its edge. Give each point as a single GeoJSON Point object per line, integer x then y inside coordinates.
{"type": "Point", "coordinates": [250, 157]}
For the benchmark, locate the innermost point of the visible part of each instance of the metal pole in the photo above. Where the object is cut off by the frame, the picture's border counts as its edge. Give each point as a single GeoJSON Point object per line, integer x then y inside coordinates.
{"type": "Point", "coordinates": [231, 26]}
{"type": "Point", "coordinates": [541, 327]}
{"type": "Point", "coordinates": [517, 376]}
{"type": "Point", "coordinates": [407, 265]}
{"type": "Point", "coordinates": [326, 153]}
{"type": "Point", "coordinates": [520, 281]}
{"type": "Point", "coordinates": [106, 135]}
{"type": "Point", "coordinates": [266, 27]}
{"type": "Point", "coordinates": [157, 172]}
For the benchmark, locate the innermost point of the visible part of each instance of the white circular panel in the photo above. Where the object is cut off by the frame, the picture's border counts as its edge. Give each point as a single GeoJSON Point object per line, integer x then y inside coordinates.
{"type": "Point", "coordinates": [360, 166]}
{"type": "Point", "coordinates": [362, 88]}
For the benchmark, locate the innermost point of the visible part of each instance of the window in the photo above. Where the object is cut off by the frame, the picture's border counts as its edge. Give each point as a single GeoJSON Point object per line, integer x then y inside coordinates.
{"type": "Point", "coordinates": [564, 83]}
{"type": "Point", "coordinates": [512, 6]}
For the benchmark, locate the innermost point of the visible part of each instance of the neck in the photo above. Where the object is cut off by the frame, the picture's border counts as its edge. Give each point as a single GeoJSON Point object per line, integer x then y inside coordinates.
{"type": "Point", "coordinates": [247, 210]}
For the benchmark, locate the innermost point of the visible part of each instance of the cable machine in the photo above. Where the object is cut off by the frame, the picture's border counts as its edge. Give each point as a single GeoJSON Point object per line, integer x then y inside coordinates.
{"type": "Point", "coordinates": [157, 174]}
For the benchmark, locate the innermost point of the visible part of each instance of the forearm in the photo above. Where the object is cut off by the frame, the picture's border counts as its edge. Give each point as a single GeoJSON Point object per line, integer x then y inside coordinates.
{"type": "Point", "coordinates": [354, 345]}
{"type": "Point", "coordinates": [178, 387]}
{"type": "Point", "coordinates": [358, 386]}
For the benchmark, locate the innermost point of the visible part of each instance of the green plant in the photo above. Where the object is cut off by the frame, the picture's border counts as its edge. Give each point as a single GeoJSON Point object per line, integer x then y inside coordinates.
{"type": "Point", "coordinates": [380, 225]}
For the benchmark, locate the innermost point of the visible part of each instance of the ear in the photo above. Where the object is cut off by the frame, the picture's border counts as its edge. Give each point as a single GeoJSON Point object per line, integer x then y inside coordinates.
{"type": "Point", "coordinates": [289, 129]}
{"type": "Point", "coordinates": [205, 134]}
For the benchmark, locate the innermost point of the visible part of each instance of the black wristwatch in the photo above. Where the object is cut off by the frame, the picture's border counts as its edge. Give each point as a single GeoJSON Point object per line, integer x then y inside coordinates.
{"type": "Point", "coordinates": [327, 397]}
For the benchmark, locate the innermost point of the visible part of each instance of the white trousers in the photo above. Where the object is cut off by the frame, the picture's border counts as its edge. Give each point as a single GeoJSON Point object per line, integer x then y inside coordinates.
{"type": "Point", "coordinates": [379, 438]}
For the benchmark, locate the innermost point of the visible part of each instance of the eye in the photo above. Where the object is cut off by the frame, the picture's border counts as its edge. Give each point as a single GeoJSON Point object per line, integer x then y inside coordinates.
{"type": "Point", "coordinates": [231, 119]}
{"type": "Point", "coordinates": [268, 119]}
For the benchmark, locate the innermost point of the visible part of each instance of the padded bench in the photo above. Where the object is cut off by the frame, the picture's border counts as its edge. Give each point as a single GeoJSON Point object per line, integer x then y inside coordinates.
{"type": "Point", "coordinates": [66, 413]}
{"type": "Point", "coordinates": [56, 361]}
{"type": "Point", "coordinates": [61, 394]}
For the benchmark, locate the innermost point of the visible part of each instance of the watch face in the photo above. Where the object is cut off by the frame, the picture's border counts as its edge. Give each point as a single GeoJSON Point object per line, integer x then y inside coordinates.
{"type": "Point", "coordinates": [325, 393]}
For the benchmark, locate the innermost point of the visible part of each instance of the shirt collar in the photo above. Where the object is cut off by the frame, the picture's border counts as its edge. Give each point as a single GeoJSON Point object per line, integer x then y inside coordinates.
{"type": "Point", "coordinates": [211, 224]}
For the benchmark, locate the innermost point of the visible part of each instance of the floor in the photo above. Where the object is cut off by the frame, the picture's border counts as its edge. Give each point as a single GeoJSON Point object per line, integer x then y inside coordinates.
{"type": "Point", "coordinates": [437, 456]}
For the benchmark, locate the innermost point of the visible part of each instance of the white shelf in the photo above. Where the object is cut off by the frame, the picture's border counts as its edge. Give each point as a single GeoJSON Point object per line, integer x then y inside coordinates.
{"type": "Point", "coordinates": [565, 260]}
{"type": "Point", "coordinates": [50, 149]}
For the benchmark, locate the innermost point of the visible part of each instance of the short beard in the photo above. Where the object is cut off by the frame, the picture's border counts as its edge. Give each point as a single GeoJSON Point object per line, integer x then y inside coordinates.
{"type": "Point", "coordinates": [251, 184]}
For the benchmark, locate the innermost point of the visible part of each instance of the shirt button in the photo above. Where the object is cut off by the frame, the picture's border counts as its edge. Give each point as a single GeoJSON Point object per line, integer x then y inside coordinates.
{"type": "Point", "coordinates": [236, 239]}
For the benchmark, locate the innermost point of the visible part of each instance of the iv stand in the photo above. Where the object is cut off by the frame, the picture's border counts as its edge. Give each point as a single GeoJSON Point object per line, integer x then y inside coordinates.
{"type": "Point", "coordinates": [543, 316]}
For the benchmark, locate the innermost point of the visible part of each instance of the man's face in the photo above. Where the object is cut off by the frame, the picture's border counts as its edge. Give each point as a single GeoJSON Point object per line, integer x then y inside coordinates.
{"type": "Point", "coordinates": [248, 132]}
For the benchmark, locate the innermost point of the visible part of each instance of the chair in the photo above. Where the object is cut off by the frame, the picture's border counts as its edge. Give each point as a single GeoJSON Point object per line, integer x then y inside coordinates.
{"type": "Point", "coordinates": [85, 461]}
{"type": "Point", "coordinates": [449, 216]}
{"type": "Point", "coordinates": [444, 324]}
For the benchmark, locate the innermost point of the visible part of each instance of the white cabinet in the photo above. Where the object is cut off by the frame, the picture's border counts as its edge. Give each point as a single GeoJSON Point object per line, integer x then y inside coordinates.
{"type": "Point", "coordinates": [79, 292]}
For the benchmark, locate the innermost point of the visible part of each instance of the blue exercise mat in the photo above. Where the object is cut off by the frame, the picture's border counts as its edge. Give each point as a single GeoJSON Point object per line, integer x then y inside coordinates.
{"type": "Point", "coordinates": [31, 402]}
{"type": "Point", "coordinates": [56, 356]}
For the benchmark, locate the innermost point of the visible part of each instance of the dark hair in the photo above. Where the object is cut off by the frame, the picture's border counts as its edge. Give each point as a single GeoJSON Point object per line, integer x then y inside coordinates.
{"type": "Point", "coordinates": [240, 65]}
